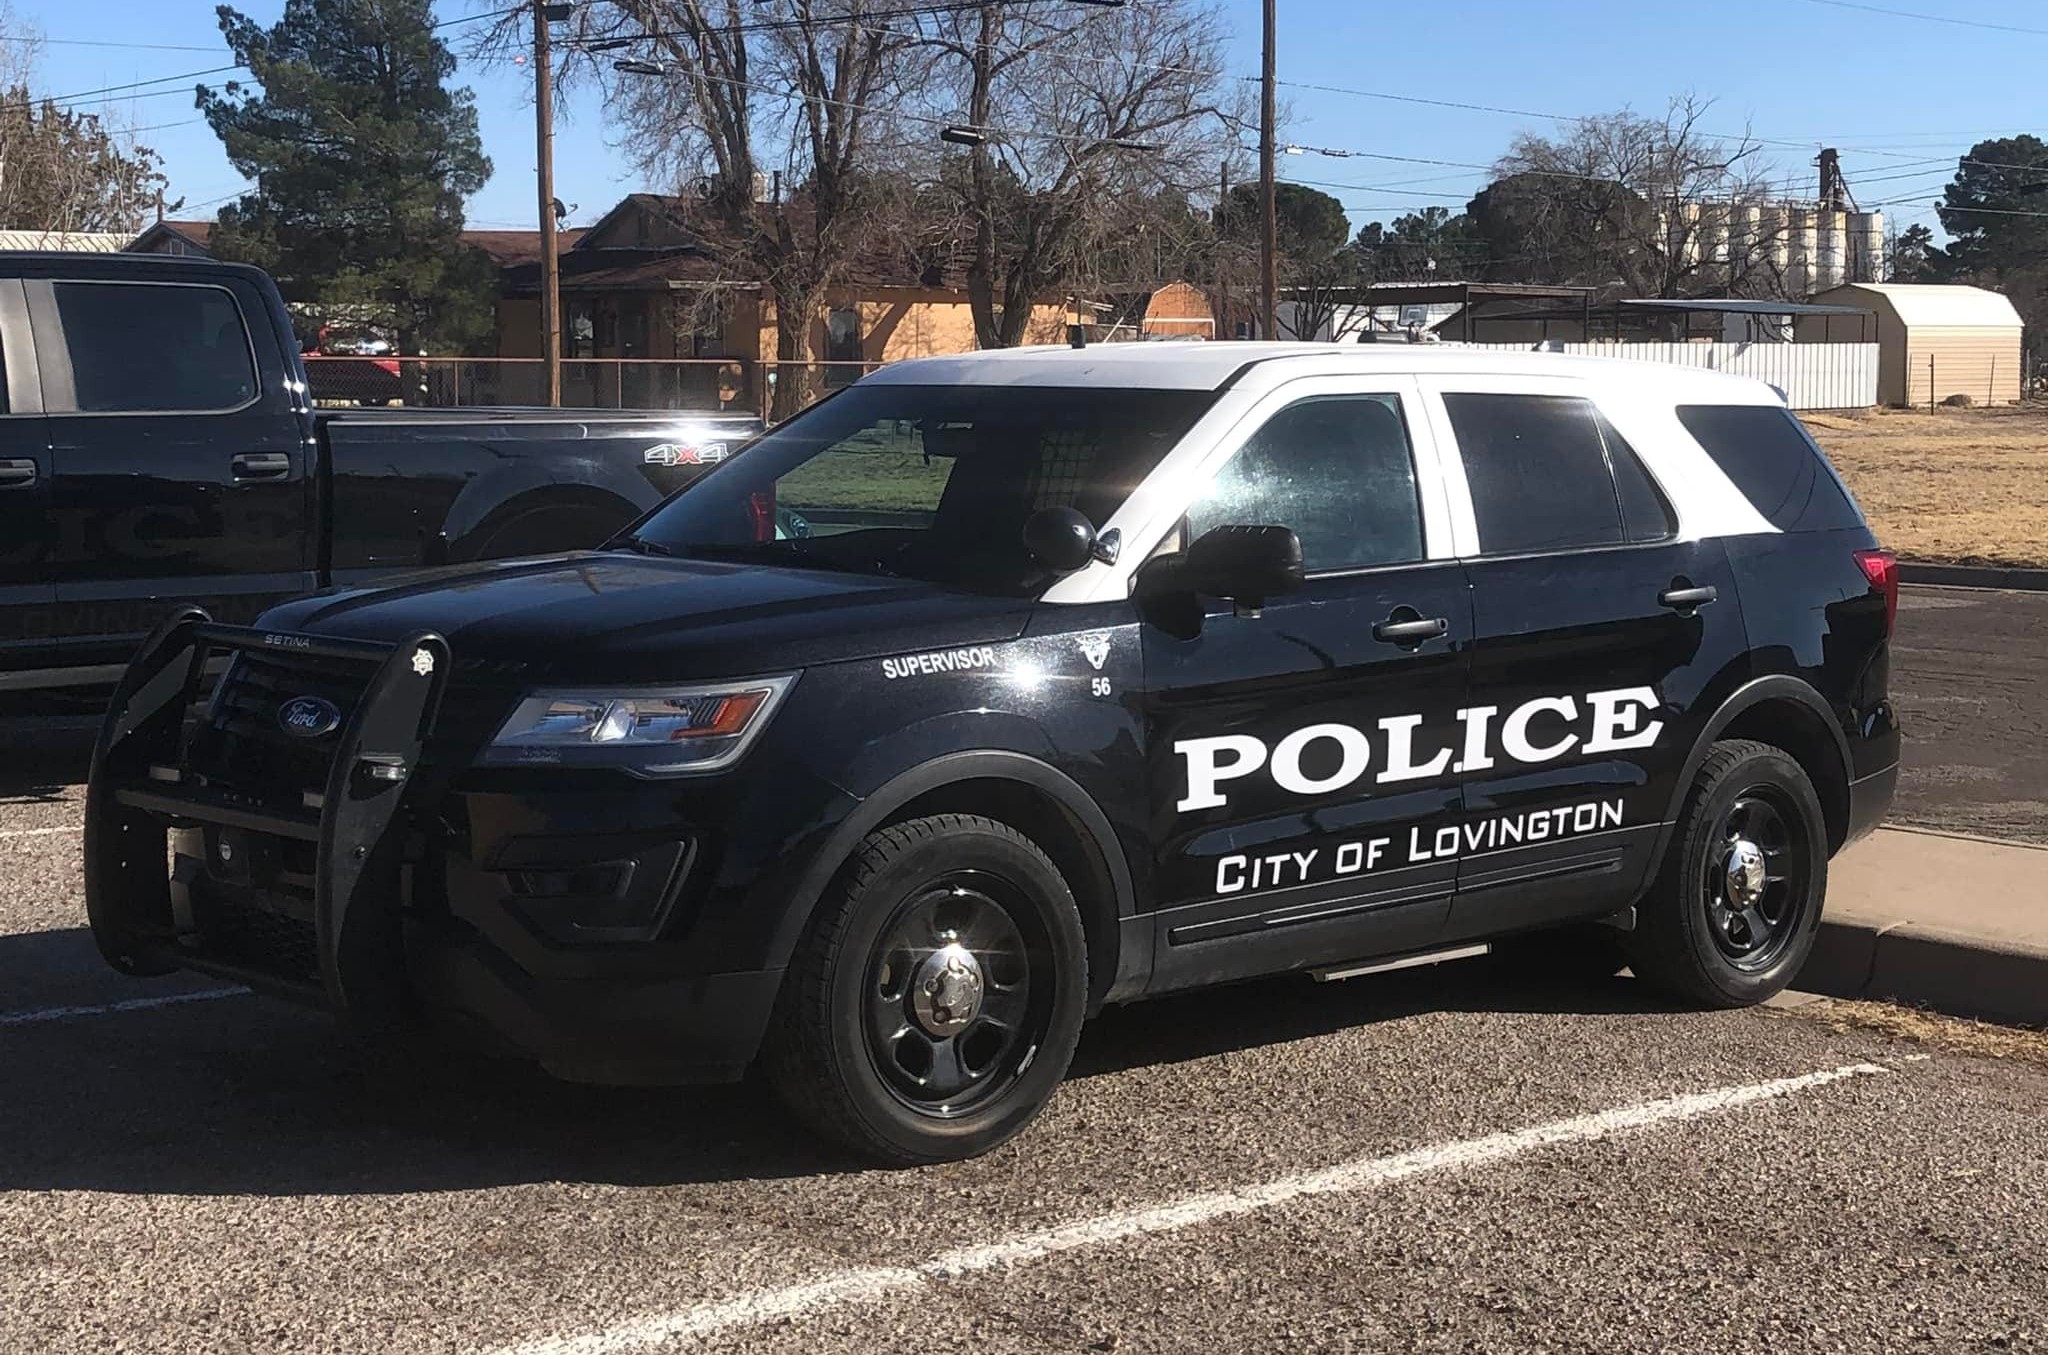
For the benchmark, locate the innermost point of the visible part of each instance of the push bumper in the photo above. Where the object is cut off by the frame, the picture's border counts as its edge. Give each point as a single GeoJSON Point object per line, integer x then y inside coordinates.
{"type": "Point", "coordinates": [306, 892]}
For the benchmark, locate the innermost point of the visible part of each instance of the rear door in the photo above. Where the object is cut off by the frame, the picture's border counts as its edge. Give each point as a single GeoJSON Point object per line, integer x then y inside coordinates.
{"type": "Point", "coordinates": [1302, 784]}
{"type": "Point", "coordinates": [180, 470]}
{"type": "Point", "coordinates": [26, 594]}
{"type": "Point", "coordinates": [1606, 628]}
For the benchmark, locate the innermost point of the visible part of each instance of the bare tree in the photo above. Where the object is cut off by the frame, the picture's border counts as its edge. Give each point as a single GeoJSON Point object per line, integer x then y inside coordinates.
{"type": "Point", "coordinates": [1653, 206]}
{"type": "Point", "coordinates": [773, 119]}
{"type": "Point", "coordinates": [1089, 127]}
{"type": "Point", "coordinates": [60, 169]}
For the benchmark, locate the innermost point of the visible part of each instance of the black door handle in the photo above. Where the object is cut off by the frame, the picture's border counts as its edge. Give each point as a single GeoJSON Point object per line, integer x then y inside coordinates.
{"type": "Point", "coordinates": [261, 465]}
{"type": "Point", "coordinates": [1412, 629]}
{"type": "Point", "coordinates": [14, 472]}
{"type": "Point", "coordinates": [1688, 599]}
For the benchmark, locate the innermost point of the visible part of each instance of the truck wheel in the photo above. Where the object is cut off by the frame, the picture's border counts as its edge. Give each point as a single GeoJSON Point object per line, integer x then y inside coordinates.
{"type": "Point", "coordinates": [1737, 900]}
{"type": "Point", "coordinates": [935, 1000]}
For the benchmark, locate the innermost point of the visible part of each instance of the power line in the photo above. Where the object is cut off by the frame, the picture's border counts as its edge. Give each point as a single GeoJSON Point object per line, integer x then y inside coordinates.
{"type": "Point", "coordinates": [937, 7]}
{"type": "Point", "coordinates": [1930, 18]}
{"type": "Point", "coordinates": [126, 46]}
{"type": "Point", "coordinates": [81, 96]}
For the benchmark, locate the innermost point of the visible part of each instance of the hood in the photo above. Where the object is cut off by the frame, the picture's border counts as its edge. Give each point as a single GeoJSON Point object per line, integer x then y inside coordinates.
{"type": "Point", "coordinates": [614, 617]}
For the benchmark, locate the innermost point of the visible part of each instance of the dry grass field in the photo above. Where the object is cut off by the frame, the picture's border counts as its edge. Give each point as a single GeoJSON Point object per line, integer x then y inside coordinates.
{"type": "Point", "coordinates": [1968, 486]}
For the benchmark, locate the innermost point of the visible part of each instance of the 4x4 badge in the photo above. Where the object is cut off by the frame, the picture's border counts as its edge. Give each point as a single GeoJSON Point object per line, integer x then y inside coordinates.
{"type": "Point", "coordinates": [308, 717]}
{"type": "Point", "coordinates": [1095, 648]}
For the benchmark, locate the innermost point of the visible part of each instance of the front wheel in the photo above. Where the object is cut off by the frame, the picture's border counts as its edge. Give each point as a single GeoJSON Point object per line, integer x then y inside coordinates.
{"type": "Point", "coordinates": [933, 1004]}
{"type": "Point", "coordinates": [1737, 901]}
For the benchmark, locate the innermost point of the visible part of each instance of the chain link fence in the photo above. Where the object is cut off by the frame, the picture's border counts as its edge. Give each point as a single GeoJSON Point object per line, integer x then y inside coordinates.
{"type": "Point", "coordinates": [769, 389]}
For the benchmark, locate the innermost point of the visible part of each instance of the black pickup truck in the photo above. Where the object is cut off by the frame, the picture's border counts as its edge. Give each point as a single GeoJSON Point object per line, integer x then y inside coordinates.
{"type": "Point", "coordinates": [159, 449]}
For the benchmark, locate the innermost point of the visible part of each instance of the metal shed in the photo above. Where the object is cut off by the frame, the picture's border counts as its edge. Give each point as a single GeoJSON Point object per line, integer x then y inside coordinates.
{"type": "Point", "coordinates": [1938, 340]}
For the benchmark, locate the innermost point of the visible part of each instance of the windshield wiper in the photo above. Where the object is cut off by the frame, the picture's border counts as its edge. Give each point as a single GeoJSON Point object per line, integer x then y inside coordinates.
{"type": "Point", "coordinates": [785, 552]}
{"type": "Point", "coordinates": [640, 545]}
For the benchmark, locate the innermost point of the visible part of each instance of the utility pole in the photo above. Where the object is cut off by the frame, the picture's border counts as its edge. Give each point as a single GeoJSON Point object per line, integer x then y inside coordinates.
{"type": "Point", "coordinates": [1269, 227]}
{"type": "Point", "coordinates": [550, 266]}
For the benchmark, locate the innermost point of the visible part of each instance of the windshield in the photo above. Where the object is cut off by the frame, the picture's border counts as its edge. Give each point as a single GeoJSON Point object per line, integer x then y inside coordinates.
{"type": "Point", "coordinates": [926, 482]}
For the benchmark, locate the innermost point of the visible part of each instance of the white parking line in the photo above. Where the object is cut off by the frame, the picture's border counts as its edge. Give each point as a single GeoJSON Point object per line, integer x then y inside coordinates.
{"type": "Point", "coordinates": [37, 1016]}
{"type": "Point", "coordinates": [881, 1282]}
{"type": "Point", "coordinates": [41, 832]}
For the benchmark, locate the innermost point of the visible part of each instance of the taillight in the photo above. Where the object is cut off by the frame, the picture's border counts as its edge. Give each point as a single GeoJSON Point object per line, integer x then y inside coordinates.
{"type": "Point", "coordinates": [1881, 567]}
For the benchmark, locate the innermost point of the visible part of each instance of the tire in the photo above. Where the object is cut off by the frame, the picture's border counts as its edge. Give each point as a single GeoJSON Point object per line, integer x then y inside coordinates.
{"type": "Point", "coordinates": [880, 956]}
{"type": "Point", "coordinates": [1692, 938]}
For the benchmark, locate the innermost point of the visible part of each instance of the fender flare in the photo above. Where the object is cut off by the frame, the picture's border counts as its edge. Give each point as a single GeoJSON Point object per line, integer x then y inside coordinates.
{"type": "Point", "coordinates": [486, 506]}
{"type": "Point", "coordinates": [951, 769]}
{"type": "Point", "coordinates": [1751, 694]}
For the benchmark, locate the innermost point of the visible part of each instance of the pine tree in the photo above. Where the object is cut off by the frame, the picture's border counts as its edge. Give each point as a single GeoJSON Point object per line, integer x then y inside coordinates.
{"type": "Point", "coordinates": [361, 158]}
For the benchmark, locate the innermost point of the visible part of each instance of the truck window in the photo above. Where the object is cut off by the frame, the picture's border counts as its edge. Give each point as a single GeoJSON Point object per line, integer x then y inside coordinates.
{"type": "Point", "coordinates": [1336, 469]}
{"type": "Point", "coordinates": [1774, 462]}
{"type": "Point", "coordinates": [1538, 472]}
{"type": "Point", "coordinates": [926, 482]}
{"type": "Point", "coordinates": [155, 347]}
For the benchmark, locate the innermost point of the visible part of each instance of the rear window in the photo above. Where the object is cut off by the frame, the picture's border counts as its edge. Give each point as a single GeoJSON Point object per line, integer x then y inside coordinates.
{"type": "Point", "coordinates": [1773, 461]}
{"type": "Point", "coordinates": [1538, 472]}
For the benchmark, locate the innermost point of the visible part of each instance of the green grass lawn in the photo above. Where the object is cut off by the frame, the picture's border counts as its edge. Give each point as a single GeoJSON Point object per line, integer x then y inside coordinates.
{"type": "Point", "coordinates": [882, 470]}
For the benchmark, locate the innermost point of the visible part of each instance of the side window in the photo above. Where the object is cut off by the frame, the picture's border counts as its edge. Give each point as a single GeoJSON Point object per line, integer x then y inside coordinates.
{"type": "Point", "coordinates": [1338, 470]}
{"type": "Point", "coordinates": [1537, 470]}
{"type": "Point", "coordinates": [1645, 513]}
{"type": "Point", "coordinates": [1772, 460]}
{"type": "Point", "coordinates": [138, 347]}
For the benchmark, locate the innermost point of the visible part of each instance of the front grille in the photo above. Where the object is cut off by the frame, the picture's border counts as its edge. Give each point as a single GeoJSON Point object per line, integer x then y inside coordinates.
{"type": "Point", "coordinates": [241, 745]}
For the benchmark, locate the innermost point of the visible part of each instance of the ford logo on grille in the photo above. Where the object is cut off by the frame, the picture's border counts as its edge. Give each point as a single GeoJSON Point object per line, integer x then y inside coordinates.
{"type": "Point", "coordinates": [308, 717]}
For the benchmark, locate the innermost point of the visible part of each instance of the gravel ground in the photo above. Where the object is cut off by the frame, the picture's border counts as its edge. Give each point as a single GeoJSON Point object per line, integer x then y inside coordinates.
{"type": "Point", "coordinates": [232, 1175]}
{"type": "Point", "coordinates": [227, 1174]}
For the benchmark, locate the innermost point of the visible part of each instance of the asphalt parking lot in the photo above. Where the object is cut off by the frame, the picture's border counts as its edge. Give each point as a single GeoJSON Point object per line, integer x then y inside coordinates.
{"type": "Point", "coordinates": [1439, 1161]}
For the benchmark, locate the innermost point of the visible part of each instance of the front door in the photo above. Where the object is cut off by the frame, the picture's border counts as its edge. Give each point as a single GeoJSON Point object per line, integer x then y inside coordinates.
{"type": "Point", "coordinates": [1604, 628]}
{"type": "Point", "coordinates": [181, 471]}
{"type": "Point", "coordinates": [1304, 798]}
{"type": "Point", "coordinates": [26, 595]}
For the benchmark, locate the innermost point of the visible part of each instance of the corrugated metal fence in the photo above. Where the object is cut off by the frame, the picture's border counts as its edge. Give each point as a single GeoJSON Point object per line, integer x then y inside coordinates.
{"type": "Point", "coordinates": [1812, 375]}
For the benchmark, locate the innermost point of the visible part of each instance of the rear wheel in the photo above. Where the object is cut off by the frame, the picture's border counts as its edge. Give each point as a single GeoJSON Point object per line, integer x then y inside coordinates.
{"type": "Point", "coordinates": [934, 1003]}
{"type": "Point", "coordinates": [1737, 901]}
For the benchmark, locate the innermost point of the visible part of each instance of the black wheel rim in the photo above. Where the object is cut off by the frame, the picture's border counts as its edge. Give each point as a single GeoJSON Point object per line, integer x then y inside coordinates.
{"type": "Point", "coordinates": [1755, 879]}
{"type": "Point", "coordinates": [957, 996]}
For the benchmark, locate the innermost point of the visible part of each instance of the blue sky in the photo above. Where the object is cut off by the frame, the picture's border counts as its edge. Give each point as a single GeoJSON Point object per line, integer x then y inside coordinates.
{"type": "Point", "coordinates": [1894, 93]}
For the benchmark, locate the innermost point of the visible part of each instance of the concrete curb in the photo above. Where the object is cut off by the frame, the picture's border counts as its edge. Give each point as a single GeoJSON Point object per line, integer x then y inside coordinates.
{"type": "Point", "coordinates": [1973, 576]}
{"type": "Point", "coordinates": [1926, 967]}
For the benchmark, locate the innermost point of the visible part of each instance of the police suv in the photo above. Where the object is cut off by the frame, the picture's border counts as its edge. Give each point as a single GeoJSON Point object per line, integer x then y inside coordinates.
{"type": "Point", "coordinates": [998, 687]}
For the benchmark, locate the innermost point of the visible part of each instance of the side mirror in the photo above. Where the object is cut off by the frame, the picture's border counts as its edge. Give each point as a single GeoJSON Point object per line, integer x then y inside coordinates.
{"type": "Point", "coordinates": [1063, 540]}
{"type": "Point", "coordinates": [1248, 565]}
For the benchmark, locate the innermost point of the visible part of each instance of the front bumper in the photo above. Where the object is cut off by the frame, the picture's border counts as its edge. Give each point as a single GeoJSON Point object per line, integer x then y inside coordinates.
{"type": "Point", "coordinates": [334, 890]}
{"type": "Point", "coordinates": [630, 1030]}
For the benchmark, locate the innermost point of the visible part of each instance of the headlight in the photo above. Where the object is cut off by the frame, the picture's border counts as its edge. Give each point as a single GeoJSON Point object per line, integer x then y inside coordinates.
{"type": "Point", "coordinates": [665, 731]}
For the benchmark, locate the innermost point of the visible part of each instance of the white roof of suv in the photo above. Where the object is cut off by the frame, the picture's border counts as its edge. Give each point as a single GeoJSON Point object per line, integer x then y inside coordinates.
{"type": "Point", "coordinates": [1208, 366]}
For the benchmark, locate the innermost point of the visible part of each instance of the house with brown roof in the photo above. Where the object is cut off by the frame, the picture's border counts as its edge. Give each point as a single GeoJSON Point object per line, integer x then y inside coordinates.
{"type": "Point", "coordinates": [654, 315]}
{"type": "Point", "coordinates": [645, 284]}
